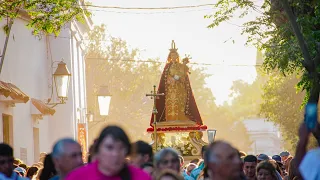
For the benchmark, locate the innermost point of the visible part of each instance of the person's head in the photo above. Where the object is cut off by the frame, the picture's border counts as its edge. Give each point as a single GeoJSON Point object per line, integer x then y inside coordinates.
{"type": "Point", "coordinates": [112, 148]}
{"type": "Point", "coordinates": [24, 166]}
{"type": "Point", "coordinates": [195, 161]}
{"type": "Point", "coordinates": [266, 170]}
{"type": "Point", "coordinates": [48, 170]}
{"type": "Point", "coordinates": [190, 167]}
{"type": "Point", "coordinates": [20, 171]}
{"type": "Point", "coordinates": [31, 172]}
{"type": "Point", "coordinates": [263, 157]}
{"type": "Point", "coordinates": [169, 175]}
{"type": "Point", "coordinates": [142, 153]}
{"type": "Point", "coordinates": [167, 158]}
{"type": "Point", "coordinates": [203, 150]}
{"type": "Point", "coordinates": [249, 166]}
{"type": "Point", "coordinates": [66, 155]}
{"type": "Point", "coordinates": [6, 159]}
{"type": "Point", "coordinates": [223, 160]}
{"type": "Point", "coordinates": [17, 162]}
{"type": "Point", "coordinates": [147, 167]}
{"type": "Point", "coordinates": [284, 155]}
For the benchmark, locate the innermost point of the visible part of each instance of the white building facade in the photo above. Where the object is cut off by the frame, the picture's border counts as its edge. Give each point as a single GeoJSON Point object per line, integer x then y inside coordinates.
{"type": "Point", "coordinates": [26, 122]}
{"type": "Point", "coordinates": [265, 136]}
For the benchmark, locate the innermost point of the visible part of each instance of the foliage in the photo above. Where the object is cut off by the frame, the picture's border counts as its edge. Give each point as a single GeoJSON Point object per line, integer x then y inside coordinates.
{"type": "Point", "coordinates": [282, 105]}
{"type": "Point", "coordinates": [247, 97]}
{"type": "Point", "coordinates": [270, 31]}
{"type": "Point", "coordinates": [47, 16]}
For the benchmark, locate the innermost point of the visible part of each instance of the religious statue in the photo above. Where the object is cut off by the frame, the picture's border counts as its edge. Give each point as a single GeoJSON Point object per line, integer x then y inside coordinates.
{"type": "Point", "coordinates": [177, 107]}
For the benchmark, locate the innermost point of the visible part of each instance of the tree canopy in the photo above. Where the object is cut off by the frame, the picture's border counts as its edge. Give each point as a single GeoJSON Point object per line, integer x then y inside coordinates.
{"type": "Point", "coordinates": [271, 32]}
{"type": "Point", "coordinates": [45, 16]}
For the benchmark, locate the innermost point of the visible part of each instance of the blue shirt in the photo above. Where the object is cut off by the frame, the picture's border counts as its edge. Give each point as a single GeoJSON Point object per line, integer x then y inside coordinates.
{"type": "Point", "coordinates": [186, 176]}
{"type": "Point", "coordinates": [196, 172]}
{"type": "Point", "coordinates": [55, 178]}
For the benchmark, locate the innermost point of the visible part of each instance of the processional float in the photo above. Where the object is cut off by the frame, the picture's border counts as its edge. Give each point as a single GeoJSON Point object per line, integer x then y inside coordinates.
{"type": "Point", "coordinates": [175, 120]}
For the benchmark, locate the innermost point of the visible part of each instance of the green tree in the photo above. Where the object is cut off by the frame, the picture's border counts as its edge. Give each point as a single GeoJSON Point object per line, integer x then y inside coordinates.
{"type": "Point", "coordinates": [45, 16]}
{"type": "Point", "coordinates": [247, 97]}
{"type": "Point", "coordinates": [282, 104]}
{"type": "Point", "coordinates": [287, 31]}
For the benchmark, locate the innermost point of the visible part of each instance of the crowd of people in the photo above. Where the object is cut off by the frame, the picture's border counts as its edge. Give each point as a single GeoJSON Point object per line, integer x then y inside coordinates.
{"type": "Point", "coordinates": [113, 157]}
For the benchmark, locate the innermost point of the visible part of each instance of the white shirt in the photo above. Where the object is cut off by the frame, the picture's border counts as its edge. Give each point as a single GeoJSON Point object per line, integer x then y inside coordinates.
{"type": "Point", "coordinates": [310, 165]}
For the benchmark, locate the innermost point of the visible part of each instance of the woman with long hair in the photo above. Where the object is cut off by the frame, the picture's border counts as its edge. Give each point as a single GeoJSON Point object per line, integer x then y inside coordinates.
{"type": "Point", "coordinates": [266, 170]}
{"type": "Point", "coordinates": [111, 150]}
{"type": "Point", "coordinates": [48, 170]}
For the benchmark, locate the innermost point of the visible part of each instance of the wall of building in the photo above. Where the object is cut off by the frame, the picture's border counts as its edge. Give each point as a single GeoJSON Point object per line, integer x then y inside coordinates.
{"type": "Point", "coordinates": [28, 65]}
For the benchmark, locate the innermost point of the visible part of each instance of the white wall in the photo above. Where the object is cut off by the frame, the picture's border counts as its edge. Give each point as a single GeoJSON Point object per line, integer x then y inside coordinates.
{"type": "Point", "coordinates": [29, 68]}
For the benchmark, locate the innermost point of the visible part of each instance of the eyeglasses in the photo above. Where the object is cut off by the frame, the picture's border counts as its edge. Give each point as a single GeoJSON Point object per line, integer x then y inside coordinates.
{"type": "Point", "coordinates": [172, 161]}
{"type": "Point", "coordinates": [6, 161]}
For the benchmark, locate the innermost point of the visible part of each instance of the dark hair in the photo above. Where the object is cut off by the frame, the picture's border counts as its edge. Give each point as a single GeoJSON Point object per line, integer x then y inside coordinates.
{"type": "Point", "coordinates": [48, 170]}
{"type": "Point", "coordinates": [31, 172]}
{"type": "Point", "coordinates": [195, 161]}
{"type": "Point", "coordinates": [143, 148]}
{"type": "Point", "coordinates": [119, 135]}
{"type": "Point", "coordinates": [269, 166]}
{"type": "Point", "coordinates": [204, 149]}
{"type": "Point", "coordinates": [24, 166]}
{"type": "Point", "coordinates": [250, 158]}
{"type": "Point", "coordinates": [147, 164]}
{"type": "Point", "coordinates": [6, 150]}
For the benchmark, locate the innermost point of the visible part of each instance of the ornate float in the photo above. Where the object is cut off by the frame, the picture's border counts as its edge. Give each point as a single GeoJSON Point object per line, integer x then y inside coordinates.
{"type": "Point", "coordinates": [175, 120]}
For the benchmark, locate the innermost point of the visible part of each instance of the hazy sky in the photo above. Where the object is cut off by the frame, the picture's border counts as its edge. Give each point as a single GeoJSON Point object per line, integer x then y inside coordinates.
{"type": "Point", "coordinates": [153, 30]}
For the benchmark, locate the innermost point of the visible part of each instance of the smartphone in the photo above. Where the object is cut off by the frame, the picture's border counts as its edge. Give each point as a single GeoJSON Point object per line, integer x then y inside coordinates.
{"type": "Point", "coordinates": [311, 115]}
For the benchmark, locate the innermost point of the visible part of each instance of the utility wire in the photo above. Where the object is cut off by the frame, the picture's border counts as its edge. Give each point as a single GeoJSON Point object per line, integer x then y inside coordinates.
{"type": "Point", "coordinates": [161, 62]}
{"type": "Point", "coordinates": [159, 12]}
{"type": "Point", "coordinates": [149, 8]}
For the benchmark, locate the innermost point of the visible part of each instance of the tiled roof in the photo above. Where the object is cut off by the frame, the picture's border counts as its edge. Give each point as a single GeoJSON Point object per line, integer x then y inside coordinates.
{"type": "Point", "coordinates": [10, 90]}
{"type": "Point", "coordinates": [42, 107]}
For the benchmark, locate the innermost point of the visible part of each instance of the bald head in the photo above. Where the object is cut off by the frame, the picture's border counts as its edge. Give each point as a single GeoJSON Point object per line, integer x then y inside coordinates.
{"type": "Point", "coordinates": [223, 160]}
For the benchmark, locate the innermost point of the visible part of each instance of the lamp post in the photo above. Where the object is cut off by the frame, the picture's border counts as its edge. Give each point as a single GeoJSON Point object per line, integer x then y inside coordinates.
{"type": "Point", "coordinates": [211, 135]}
{"type": "Point", "coordinates": [61, 79]}
{"type": "Point", "coordinates": [104, 99]}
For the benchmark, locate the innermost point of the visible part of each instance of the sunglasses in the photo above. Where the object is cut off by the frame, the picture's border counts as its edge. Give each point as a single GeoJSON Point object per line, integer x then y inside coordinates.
{"type": "Point", "coordinates": [6, 161]}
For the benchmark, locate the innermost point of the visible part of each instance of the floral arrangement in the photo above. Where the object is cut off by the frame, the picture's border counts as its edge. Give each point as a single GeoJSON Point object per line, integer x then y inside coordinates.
{"type": "Point", "coordinates": [168, 129]}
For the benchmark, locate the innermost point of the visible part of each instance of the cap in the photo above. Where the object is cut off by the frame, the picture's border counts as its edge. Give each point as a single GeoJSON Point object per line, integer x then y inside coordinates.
{"type": "Point", "coordinates": [277, 158]}
{"type": "Point", "coordinates": [20, 170]}
{"type": "Point", "coordinates": [284, 153]}
{"type": "Point", "coordinates": [263, 157]}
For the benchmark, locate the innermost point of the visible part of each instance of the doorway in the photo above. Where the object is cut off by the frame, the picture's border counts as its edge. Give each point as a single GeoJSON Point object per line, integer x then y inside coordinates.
{"type": "Point", "coordinates": [7, 125]}
{"type": "Point", "coordinates": [36, 144]}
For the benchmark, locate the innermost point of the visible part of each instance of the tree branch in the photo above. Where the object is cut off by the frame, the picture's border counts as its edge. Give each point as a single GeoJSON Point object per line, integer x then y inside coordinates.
{"type": "Point", "coordinates": [303, 46]}
{"type": "Point", "coordinates": [6, 44]}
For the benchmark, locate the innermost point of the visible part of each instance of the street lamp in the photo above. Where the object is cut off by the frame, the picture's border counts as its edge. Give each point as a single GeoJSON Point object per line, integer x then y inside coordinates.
{"type": "Point", "coordinates": [104, 98]}
{"type": "Point", "coordinates": [211, 135]}
{"type": "Point", "coordinates": [61, 79]}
